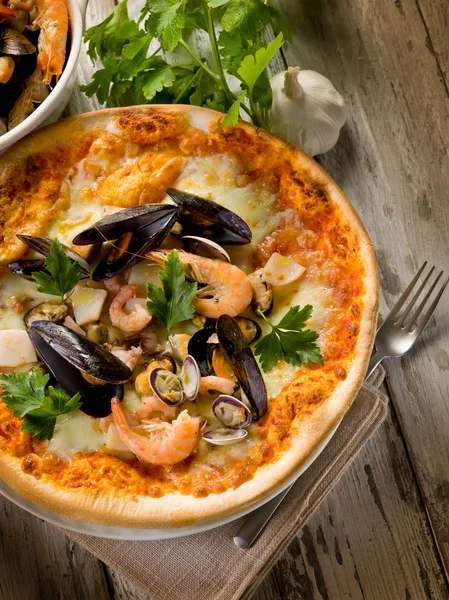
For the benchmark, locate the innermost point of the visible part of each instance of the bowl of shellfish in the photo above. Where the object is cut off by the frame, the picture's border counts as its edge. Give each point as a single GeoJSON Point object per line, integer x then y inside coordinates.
{"type": "Point", "coordinates": [40, 42]}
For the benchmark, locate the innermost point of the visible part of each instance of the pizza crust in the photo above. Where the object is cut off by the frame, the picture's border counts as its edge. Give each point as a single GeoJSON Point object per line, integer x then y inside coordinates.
{"type": "Point", "coordinates": [177, 510]}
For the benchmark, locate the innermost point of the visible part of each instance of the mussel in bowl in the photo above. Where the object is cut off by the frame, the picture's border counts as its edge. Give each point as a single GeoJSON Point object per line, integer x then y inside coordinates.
{"type": "Point", "coordinates": [208, 219]}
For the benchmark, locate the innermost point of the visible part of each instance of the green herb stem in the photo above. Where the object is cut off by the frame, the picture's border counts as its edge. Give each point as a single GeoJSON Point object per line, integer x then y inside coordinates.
{"type": "Point", "coordinates": [198, 60]}
{"type": "Point", "coordinates": [188, 85]}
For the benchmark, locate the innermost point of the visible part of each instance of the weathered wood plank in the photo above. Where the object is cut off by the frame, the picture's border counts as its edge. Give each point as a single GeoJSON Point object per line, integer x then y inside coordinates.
{"type": "Point", "coordinates": [392, 162]}
{"type": "Point", "coordinates": [39, 562]}
{"type": "Point", "coordinates": [435, 14]}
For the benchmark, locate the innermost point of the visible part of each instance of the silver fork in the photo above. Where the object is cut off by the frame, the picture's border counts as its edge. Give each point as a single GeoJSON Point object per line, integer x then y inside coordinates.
{"type": "Point", "coordinates": [395, 337]}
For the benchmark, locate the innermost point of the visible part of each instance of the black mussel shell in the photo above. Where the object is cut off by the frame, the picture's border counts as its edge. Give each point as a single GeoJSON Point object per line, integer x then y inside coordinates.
{"type": "Point", "coordinates": [199, 349]}
{"type": "Point", "coordinates": [243, 362]}
{"type": "Point", "coordinates": [122, 221]}
{"type": "Point", "coordinates": [208, 219]}
{"type": "Point", "coordinates": [43, 246]}
{"type": "Point", "coordinates": [25, 268]}
{"type": "Point", "coordinates": [87, 356]}
{"type": "Point", "coordinates": [204, 247]}
{"type": "Point", "coordinates": [142, 240]}
{"type": "Point", "coordinates": [96, 399]}
{"type": "Point", "coordinates": [250, 329]}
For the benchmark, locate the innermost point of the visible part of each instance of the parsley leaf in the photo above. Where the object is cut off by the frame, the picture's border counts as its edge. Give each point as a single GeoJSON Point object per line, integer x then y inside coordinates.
{"type": "Point", "coordinates": [173, 302]}
{"type": "Point", "coordinates": [64, 272]}
{"type": "Point", "coordinates": [290, 340]}
{"type": "Point", "coordinates": [248, 17]}
{"type": "Point", "coordinates": [25, 395]}
{"type": "Point", "coordinates": [233, 113]}
{"type": "Point", "coordinates": [253, 66]}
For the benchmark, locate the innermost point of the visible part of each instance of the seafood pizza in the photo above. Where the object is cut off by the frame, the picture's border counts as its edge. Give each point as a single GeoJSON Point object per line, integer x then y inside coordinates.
{"type": "Point", "coordinates": [187, 311]}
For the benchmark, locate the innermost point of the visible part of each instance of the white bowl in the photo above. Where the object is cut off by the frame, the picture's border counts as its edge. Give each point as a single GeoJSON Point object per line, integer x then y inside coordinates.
{"type": "Point", "coordinates": [57, 100]}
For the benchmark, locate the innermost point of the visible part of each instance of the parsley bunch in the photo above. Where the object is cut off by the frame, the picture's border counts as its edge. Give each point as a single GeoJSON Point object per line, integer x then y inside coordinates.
{"type": "Point", "coordinates": [131, 75]}
{"type": "Point", "coordinates": [290, 340]}
{"type": "Point", "coordinates": [63, 273]}
{"type": "Point", "coordinates": [27, 396]}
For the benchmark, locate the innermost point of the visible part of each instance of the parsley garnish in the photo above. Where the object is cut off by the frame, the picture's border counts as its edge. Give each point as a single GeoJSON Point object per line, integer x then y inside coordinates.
{"type": "Point", "coordinates": [290, 340]}
{"type": "Point", "coordinates": [26, 395]}
{"type": "Point", "coordinates": [129, 75]}
{"type": "Point", "coordinates": [173, 302]}
{"type": "Point", "coordinates": [64, 273]}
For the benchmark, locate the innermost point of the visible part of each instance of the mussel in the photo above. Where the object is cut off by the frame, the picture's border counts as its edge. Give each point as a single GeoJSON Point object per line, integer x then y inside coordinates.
{"type": "Point", "coordinates": [233, 413]}
{"type": "Point", "coordinates": [198, 347]}
{"type": "Point", "coordinates": [43, 246]}
{"type": "Point", "coordinates": [262, 293]}
{"type": "Point", "coordinates": [204, 247]}
{"type": "Point", "coordinates": [25, 268]}
{"type": "Point", "coordinates": [14, 43]}
{"type": "Point", "coordinates": [250, 329]}
{"type": "Point", "coordinates": [137, 230]}
{"type": "Point", "coordinates": [68, 355]}
{"type": "Point", "coordinates": [46, 311]}
{"type": "Point", "coordinates": [244, 364]}
{"type": "Point", "coordinates": [224, 437]}
{"type": "Point", "coordinates": [202, 217]}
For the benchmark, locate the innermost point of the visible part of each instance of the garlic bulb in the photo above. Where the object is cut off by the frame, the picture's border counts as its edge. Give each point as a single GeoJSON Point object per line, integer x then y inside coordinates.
{"type": "Point", "coordinates": [307, 110]}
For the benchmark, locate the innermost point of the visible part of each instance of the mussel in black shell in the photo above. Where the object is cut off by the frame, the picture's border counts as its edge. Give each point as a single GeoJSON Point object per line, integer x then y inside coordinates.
{"type": "Point", "coordinates": [137, 230]}
{"type": "Point", "coordinates": [202, 217]}
{"type": "Point", "coordinates": [43, 246]}
{"type": "Point", "coordinates": [67, 354]}
{"type": "Point", "coordinates": [244, 364]}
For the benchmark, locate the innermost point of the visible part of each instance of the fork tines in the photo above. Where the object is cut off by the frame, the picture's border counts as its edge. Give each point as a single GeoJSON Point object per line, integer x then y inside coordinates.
{"type": "Point", "coordinates": [414, 324]}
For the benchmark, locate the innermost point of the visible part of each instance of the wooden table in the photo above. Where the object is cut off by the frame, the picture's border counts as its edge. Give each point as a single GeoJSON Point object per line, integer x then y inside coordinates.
{"type": "Point", "coordinates": [383, 533]}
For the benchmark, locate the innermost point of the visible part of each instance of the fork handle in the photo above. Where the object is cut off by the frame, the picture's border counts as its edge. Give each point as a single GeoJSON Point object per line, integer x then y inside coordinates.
{"type": "Point", "coordinates": [257, 520]}
{"type": "Point", "coordinates": [376, 358]}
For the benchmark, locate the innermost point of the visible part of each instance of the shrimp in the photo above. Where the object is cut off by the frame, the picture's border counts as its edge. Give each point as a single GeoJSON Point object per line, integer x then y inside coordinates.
{"type": "Point", "coordinates": [35, 92]}
{"type": "Point", "coordinates": [211, 386]}
{"type": "Point", "coordinates": [53, 20]}
{"type": "Point", "coordinates": [163, 443]}
{"type": "Point", "coordinates": [130, 357]}
{"type": "Point", "coordinates": [137, 317]}
{"type": "Point", "coordinates": [227, 291]}
{"type": "Point", "coordinates": [7, 65]}
{"type": "Point", "coordinates": [152, 404]}
{"type": "Point", "coordinates": [113, 284]}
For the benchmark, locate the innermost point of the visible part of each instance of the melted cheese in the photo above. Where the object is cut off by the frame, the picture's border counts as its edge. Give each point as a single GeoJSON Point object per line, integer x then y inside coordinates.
{"type": "Point", "coordinates": [74, 432]}
{"type": "Point", "coordinates": [23, 294]}
{"type": "Point", "coordinates": [214, 177]}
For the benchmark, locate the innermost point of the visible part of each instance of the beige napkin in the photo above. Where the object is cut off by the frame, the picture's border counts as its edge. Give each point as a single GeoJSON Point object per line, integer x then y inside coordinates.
{"type": "Point", "coordinates": [208, 566]}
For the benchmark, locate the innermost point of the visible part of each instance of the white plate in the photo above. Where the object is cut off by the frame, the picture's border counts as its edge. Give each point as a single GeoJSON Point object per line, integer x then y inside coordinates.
{"type": "Point", "coordinates": [125, 533]}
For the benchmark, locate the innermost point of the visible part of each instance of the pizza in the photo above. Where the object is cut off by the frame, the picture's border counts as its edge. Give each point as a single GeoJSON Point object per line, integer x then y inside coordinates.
{"type": "Point", "coordinates": [187, 311]}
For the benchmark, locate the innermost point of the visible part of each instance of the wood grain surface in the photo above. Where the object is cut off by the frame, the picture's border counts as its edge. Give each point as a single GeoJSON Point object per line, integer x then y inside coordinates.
{"type": "Point", "coordinates": [383, 532]}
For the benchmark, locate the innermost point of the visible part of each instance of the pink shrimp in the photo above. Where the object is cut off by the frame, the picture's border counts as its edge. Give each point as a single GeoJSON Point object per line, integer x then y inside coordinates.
{"type": "Point", "coordinates": [53, 21]}
{"type": "Point", "coordinates": [127, 312]}
{"type": "Point", "coordinates": [150, 405]}
{"type": "Point", "coordinates": [159, 443]}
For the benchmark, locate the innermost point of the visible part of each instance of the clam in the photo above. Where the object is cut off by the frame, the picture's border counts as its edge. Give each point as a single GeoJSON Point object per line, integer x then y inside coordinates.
{"type": "Point", "coordinates": [136, 235]}
{"type": "Point", "coordinates": [190, 378]}
{"type": "Point", "coordinates": [224, 437]}
{"type": "Point", "coordinates": [46, 311]}
{"type": "Point", "coordinates": [167, 386]}
{"type": "Point", "coordinates": [202, 217]}
{"type": "Point", "coordinates": [14, 43]}
{"type": "Point", "coordinates": [96, 399]}
{"type": "Point", "coordinates": [262, 293]}
{"type": "Point", "coordinates": [245, 366]}
{"type": "Point", "coordinates": [204, 247]}
{"type": "Point", "coordinates": [43, 246]}
{"type": "Point", "coordinates": [231, 412]}
{"type": "Point", "coordinates": [198, 347]}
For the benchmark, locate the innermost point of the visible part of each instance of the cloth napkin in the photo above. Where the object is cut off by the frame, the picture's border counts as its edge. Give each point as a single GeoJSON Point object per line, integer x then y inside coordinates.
{"type": "Point", "coordinates": [208, 566]}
